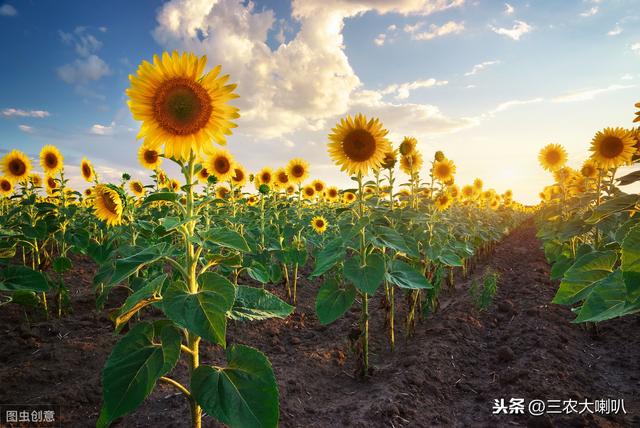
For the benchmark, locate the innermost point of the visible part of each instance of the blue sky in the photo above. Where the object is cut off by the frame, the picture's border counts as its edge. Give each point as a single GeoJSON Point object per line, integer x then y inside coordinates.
{"type": "Point", "coordinates": [487, 82]}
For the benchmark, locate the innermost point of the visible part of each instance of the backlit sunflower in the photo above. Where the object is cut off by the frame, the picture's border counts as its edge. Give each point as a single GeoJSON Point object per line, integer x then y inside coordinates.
{"type": "Point", "coordinates": [318, 185]}
{"type": "Point", "coordinates": [412, 163]}
{"type": "Point", "coordinates": [264, 176]}
{"type": "Point", "coordinates": [51, 160]}
{"type": "Point", "coordinates": [589, 169]}
{"type": "Point", "coordinates": [6, 187]}
{"type": "Point", "coordinates": [149, 157]}
{"type": "Point", "coordinates": [357, 145]}
{"type": "Point", "coordinates": [179, 106]}
{"type": "Point", "coordinates": [348, 197]}
{"type": "Point", "coordinates": [87, 170]}
{"type": "Point", "coordinates": [281, 178]}
{"type": "Point", "coordinates": [220, 163]}
{"type": "Point", "coordinates": [443, 201]}
{"type": "Point", "coordinates": [319, 224]}
{"type": "Point", "coordinates": [612, 147]}
{"type": "Point", "coordinates": [137, 188]}
{"type": "Point", "coordinates": [16, 166]}
{"type": "Point", "coordinates": [239, 177]}
{"type": "Point", "coordinates": [552, 157]}
{"type": "Point", "coordinates": [443, 170]}
{"type": "Point", "coordinates": [297, 170]}
{"type": "Point", "coordinates": [108, 204]}
{"type": "Point", "coordinates": [408, 146]}
{"type": "Point", "coordinates": [332, 194]}
{"type": "Point", "coordinates": [308, 192]}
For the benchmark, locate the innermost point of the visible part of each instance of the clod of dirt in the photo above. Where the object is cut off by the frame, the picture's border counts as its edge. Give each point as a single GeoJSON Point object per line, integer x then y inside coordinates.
{"type": "Point", "coordinates": [506, 306]}
{"type": "Point", "coordinates": [505, 354]}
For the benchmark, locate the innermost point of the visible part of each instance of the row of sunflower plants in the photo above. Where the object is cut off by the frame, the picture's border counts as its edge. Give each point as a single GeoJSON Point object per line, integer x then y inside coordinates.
{"type": "Point", "coordinates": [590, 229]}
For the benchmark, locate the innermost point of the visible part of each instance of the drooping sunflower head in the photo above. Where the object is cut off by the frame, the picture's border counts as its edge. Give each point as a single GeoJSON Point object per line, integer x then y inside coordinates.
{"type": "Point", "coordinates": [51, 160]}
{"type": "Point", "coordinates": [264, 176]}
{"type": "Point", "coordinates": [589, 169]}
{"type": "Point", "coordinates": [179, 106]}
{"type": "Point", "coordinates": [637, 118]}
{"type": "Point", "coordinates": [358, 145]}
{"type": "Point", "coordinates": [220, 163]}
{"type": "Point", "coordinates": [35, 179]}
{"type": "Point", "coordinates": [439, 156]}
{"type": "Point", "coordinates": [281, 178]}
{"type": "Point", "coordinates": [389, 160]}
{"type": "Point", "coordinates": [137, 188]}
{"type": "Point", "coordinates": [348, 197]}
{"type": "Point", "coordinates": [612, 147]}
{"type": "Point", "coordinates": [297, 170]}
{"type": "Point", "coordinates": [443, 170]}
{"type": "Point", "coordinates": [239, 177]}
{"type": "Point", "coordinates": [318, 185]}
{"type": "Point", "coordinates": [408, 146]}
{"type": "Point", "coordinates": [308, 192]}
{"type": "Point", "coordinates": [86, 169]}
{"type": "Point", "coordinates": [552, 157]}
{"type": "Point", "coordinates": [332, 194]}
{"type": "Point", "coordinates": [16, 166]}
{"type": "Point", "coordinates": [149, 157]}
{"type": "Point", "coordinates": [6, 187]}
{"type": "Point", "coordinates": [411, 164]}
{"type": "Point", "coordinates": [443, 201]}
{"type": "Point", "coordinates": [108, 204]}
{"type": "Point", "coordinates": [319, 224]}
{"type": "Point", "coordinates": [162, 179]}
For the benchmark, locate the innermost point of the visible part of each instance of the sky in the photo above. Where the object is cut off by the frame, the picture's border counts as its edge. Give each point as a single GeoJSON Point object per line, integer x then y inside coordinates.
{"type": "Point", "coordinates": [487, 82]}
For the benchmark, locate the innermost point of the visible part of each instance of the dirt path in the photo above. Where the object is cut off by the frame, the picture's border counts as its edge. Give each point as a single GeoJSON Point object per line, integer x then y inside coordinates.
{"type": "Point", "coordinates": [448, 374]}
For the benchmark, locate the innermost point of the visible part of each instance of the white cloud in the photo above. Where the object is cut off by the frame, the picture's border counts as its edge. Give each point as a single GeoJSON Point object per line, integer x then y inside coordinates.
{"type": "Point", "coordinates": [380, 38]}
{"type": "Point", "coordinates": [479, 67]}
{"type": "Point", "coordinates": [626, 76]}
{"type": "Point", "coordinates": [508, 9]}
{"type": "Point", "coordinates": [84, 70]}
{"type": "Point", "coordinates": [513, 103]}
{"type": "Point", "coordinates": [98, 129]}
{"type": "Point", "coordinates": [14, 112]}
{"type": "Point", "coordinates": [636, 47]}
{"type": "Point", "coordinates": [83, 43]}
{"type": "Point", "coordinates": [27, 129]}
{"type": "Point", "coordinates": [590, 12]}
{"type": "Point", "coordinates": [402, 90]}
{"type": "Point", "coordinates": [518, 30]}
{"type": "Point", "coordinates": [615, 31]}
{"type": "Point", "coordinates": [294, 87]}
{"type": "Point", "coordinates": [434, 31]}
{"type": "Point", "coordinates": [587, 94]}
{"type": "Point", "coordinates": [8, 10]}
{"type": "Point", "coordinates": [392, 27]}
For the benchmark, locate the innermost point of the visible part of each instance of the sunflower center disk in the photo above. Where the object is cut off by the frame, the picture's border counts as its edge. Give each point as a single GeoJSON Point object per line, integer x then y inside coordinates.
{"type": "Point", "coordinates": [359, 145]}
{"type": "Point", "coordinates": [611, 147]}
{"type": "Point", "coordinates": [17, 167]}
{"type": "Point", "coordinates": [51, 160]}
{"type": "Point", "coordinates": [553, 157]}
{"type": "Point", "coordinates": [150, 156]}
{"type": "Point", "coordinates": [297, 171]}
{"type": "Point", "coordinates": [222, 165]}
{"type": "Point", "coordinates": [86, 171]}
{"type": "Point", "coordinates": [182, 106]}
{"type": "Point", "coordinates": [110, 204]}
{"type": "Point", "coordinates": [6, 186]}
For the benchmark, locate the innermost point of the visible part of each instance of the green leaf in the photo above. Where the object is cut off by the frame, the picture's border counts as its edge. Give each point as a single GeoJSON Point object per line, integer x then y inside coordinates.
{"type": "Point", "coordinates": [391, 238]}
{"type": "Point", "coordinates": [243, 394]}
{"type": "Point", "coordinates": [606, 300]}
{"type": "Point", "coordinates": [171, 223]}
{"type": "Point", "coordinates": [13, 278]}
{"type": "Point", "coordinates": [334, 300]}
{"type": "Point", "coordinates": [204, 312]}
{"type": "Point", "coordinates": [617, 204]}
{"type": "Point", "coordinates": [560, 266]}
{"type": "Point", "coordinates": [62, 264]}
{"type": "Point", "coordinates": [161, 196]}
{"type": "Point", "coordinates": [579, 278]}
{"type": "Point", "coordinates": [126, 267]}
{"type": "Point", "coordinates": [259, 272]}
{"type": "Point", "coordinates": [25, 298]}
{"type": "Point", "coordinates": [406, 276]}
{"type": "Point", "coordinates": [227, 238]}
{"type": "Point", "coordinates": [366, 278]}
{"type": "Point", "coordinates": [629, 178]}
{"type": "Point", "coordinates": [449, 258]}
{"type": "Point", "coordinates": [254, 304]}
{"type": "Point", "coordinates": [327, 258]}
{"type": "Point", "coordinates": [145, 296]}
{"type": "Point", "coordinates": [631, 262]}
{"type": "Point", "coordinates": [147, 352]}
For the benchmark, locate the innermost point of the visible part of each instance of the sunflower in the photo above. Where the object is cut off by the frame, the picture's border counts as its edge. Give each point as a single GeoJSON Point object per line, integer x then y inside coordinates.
{"type": "Point", "coordinates": [612, 147]}
{"type": "Point", "coordinates": [51, 160]}
{"type": "Point", "coordinates": [357, 145]}
{"type": "Point", "coordinates": [174, 185]}
{"type": "Point", "coordinates": [297, 170]}
{"type": "Point", "coordinates": [454, 191]}
{"type": "Point", "coordinates": [552, 157]}
{"type": "Point", "coordinates": [389, 160]}
{"type": "Point", "coordinates": [88, 192]}
{"type": "Point", "coordinates": [203, 175]}
{"type": "Point", "coordinates": [319, 224]}
{"type": "Point", "coordinates": [252, 200]}
{"type": "Point", "coordinates": [508, 194]}
{"type": "Point", "coordinates": [51, 183]}
{"type": "Point", "coordinates": [477, 184]}
{"type": "Point", "coordinates": [308, 192]}
{"type": "Point", "coordinates": [162, 178]}
{"type": "Point", "coordinates": [222, 191]}
{"type": "Point", "coordinates": [318, 185]}
{"type": "Point", "coordinates": [589, 169]}
{"type": "Point", "coordinates": [181, 107]}
{"type": "Point", "coordinates": [291, 189]}
{"type": "Point", "coordinates": [494, 204]}
{"type": "Point", "coordinates": [137, 188]}
{"type": "Point", "coordinates": [637, 118]}
{"type": "Point", "coordinates": [408, 146]}
{"type": "Point", "coordinates": [264, 176]}
{"type": "Point", "coordinates": [468, 191]}
{"type": "Point", "coordinates": [149, 157]}
{"type": "Point", "coordinates": [332, 194]}
{"type": "Point", "coordinates": [281, 178]}
{"type": "Point", "coordinates": [412, 163]}
{"type": "Point", "coordinates": [443, 170]}
{"type": "Point", "coordinates": [239, 177]}
{"type": "Point", "coordinates": [439, 156]}
{"type": "Point", "coordinates": [348, 197]}
{"type": "Point", "coordinates": [108, 204]}
{"type": "Point", "coordinates": [16, 166]}
{"type": "Point", "coordinates": [6, 187]}
{"type": "Point", "coordinates": [426, 192]}
{"type": "Point", "coordinates": [87, 170]}
{"type": "Point", "coordinates": [443, 201]}
{"type": "Point", "coordinates": [35, 179]}
{"type": "Point", "coordinates": [220, 163]}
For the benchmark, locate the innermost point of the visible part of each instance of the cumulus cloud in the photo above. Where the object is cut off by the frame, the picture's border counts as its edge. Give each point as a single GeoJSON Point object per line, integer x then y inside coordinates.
{"type": "Point", "coordinates": [434, 31]}
{"type": "Point", "coordinates": [518, 30]}
{"type": "Point", "coordinates": [98, 129]}
{"type": "Point", "coordinates": [380, 39]}
{"type": "Point", "coordinates": [589, 12]}
{"type": "Point", "coordinates": [403, 90]}
{"type": "Point", "coordinates": [84, 70]}
{"type": "Point", "coordinates": [26, 129]}
{"type": "Point", "coordinates": [479, 67]}
{"type": "Point", "coordinates": [615, 31]}
{"type": "Point", "coordinates": [15, 112]}
{"type": "Point", "coordinates": [82, 41]}
{"type": "Point", "coordinates": [8, 10]}
{"type": "Point", "coordinates": [88, 67]}
{"type": "Point", "coordinates": [636, 47]}
{"type": "Point", "coordinates": [300, 84]}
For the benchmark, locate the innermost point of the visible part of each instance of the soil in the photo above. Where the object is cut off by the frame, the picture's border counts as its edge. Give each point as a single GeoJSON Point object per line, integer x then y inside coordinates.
{"type": "Point", "coordinates": [448, 374]}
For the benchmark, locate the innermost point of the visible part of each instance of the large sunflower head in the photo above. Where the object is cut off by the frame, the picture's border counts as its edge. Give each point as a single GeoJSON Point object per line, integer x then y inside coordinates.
{"type": "Point", "coordinates": [239, 177]}
{"type": "Point", "coordinates": [281, 178]}
{"type": "Point", "coordinates": [318, 185]}
{"type": "Point", "coordinates": [358, 145]}
{"type": "Point", "coordinates": [16, 166]}
{"type": "Point", "coordinates": [108, 204]}
{"type": "Point", "coordinates": [319, 224]}
{"type": "Point", "coordinates": [612, 147]}
{"type": "Point", "coordinates": [297, 170]}
{"type": "Point", "coordinates": [220, 163]}
{"type": "Point", "coordinates": [181, 107]}
{"type": "Point", "coordinates": [443, 170]}
{"type": "Point", "coordinates": [137, 188]}
{"type": "Point", "coordinates": [408, 146]}
{"type": "Point", "coordinates": [6, 187]}
{"type": "Point", "coordinates": [443, 201]}
{"type": "Point", "coordinates": [149, 157]}
{"type": "Point", "coordinates": [552, 157]}
{"type": "Point", "coordinates": [412, 163]}
{"type": "Point", "coordinates": [308, 192]}
{"type": "Point", "coordinates": [87, 170]}
{"type": "Point", "coordinates": [51, 160]}
{"type": "Point", "coordinates": [332, 194]}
